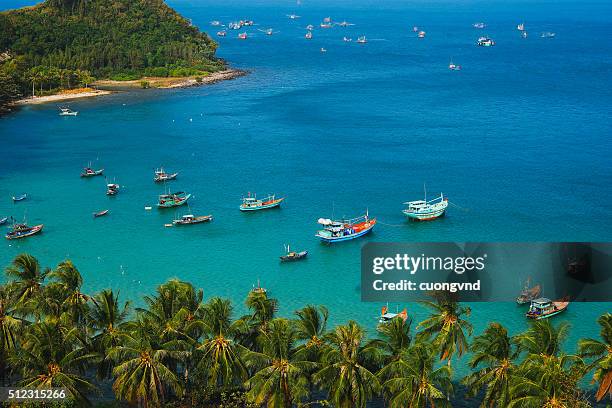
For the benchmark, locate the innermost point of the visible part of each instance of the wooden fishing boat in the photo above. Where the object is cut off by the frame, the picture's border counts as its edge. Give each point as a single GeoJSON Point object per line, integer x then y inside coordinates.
{"type": "Point", "coordinates": [192, 219]}
{"type": "Point", "coordinates": [423, 210]}
{"type": "Point", "coordinates": [344, 230]}
{"type": "Point", "coordinates": [173, 199]}
{"type": "Point", "coordinates": [20, 197]}
{"type": "Point", "coordinates": [292, 255]}
{"type": "Point", "coordinates": [386, 316]}
{"type": "Point", "coordinates": [112, 189]}
{"type": "Point", "coordinates": [90, 172]}
{"type": "Point", "coordinates": [543, 308]}
{"type": "Point", "coordinates": [3, 220]}
{"type": "Point", "coordinates": [100, 213]}
{"type": "Point", "coordinates": [161, 175]}
{"type": "Point", "coordinates": [23, 231]}
{"type": "Point", "coordinates": [67, 112]}
{"type": "Point", "coordinates": [253, 204]}
{"type": "Point", "coordinates": [258, 289]}
{"type": "Point", "coordinates": [528, 293]}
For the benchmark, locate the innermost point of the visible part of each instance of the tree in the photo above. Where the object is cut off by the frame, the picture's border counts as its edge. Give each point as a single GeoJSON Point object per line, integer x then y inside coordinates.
{"type": "Point", "coordinates": [394, 339]}
{"type": "Point", "coordinates": [311, 326]}
{"type": "Point", "coordinates": [66, 288]}
{"type": "Point", "coordinates": [447, 325]}
{"type": "Point", "coordinates": [601, 350]}
{"type": "Point", "coordinates": [494, 352]}
{"type": "Point", "coordinates": [10, 327]}
{"type": "Point", "coordinates": [26, 279]}
{"type": "Point", "coordinates": [543, 338]}
{"type": "Point", "coordinates": [344, 373]}
{"type": "Point", "coordinates": [412, 380]}
{"type": "Point", "coordinates": [281, 377]}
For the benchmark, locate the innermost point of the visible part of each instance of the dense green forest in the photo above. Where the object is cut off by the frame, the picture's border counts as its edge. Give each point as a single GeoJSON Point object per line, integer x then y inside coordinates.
{"type": "Point", "coordinates": [66, 43]}
{"type": "Point", "coordinates": [179, 350]}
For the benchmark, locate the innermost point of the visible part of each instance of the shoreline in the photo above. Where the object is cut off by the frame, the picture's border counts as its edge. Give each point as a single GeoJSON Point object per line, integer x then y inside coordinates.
{"type": "Point", "coordinates": [108, 87]}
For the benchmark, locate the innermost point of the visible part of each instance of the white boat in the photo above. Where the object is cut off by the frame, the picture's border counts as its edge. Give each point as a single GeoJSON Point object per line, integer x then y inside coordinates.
{"type": "Point", "coordinates": [415, 29]}
{"type": "Point", "coordinates": [215, 23]}
{"type": "Point", "coordinates": [323, 49]}
{"type": "Point", "coordinates": [325, 25]}
{"type": "Point", "coordinates": [423, 210]}
{"type": "Point", "coordinates": [242, 36]}
{"type": "Point", "coordinates": [421, 34]}
{"type": "Point", "coordinates": [308, 35]}
{"type": "Point", "coordinates": [67, 112]}
{"type": "Point", "coordinates": [386, 316]}
{"type": "Point", "coordinates": [548, 34]}
{"type": "Point", "coordinates": [521, 27]}
{"type": "Point", "coordinates": [362, 39]}
{"type": "Point", "coordinates": [485, 42]}
{"type": "Point", "coordinates": [269, 31]}
{"type": "Point", "coordinates": [346, 39]}
{"type": "Point", "coordinates": [221, 33]}
{"type": "Point", "coordinates": [310, 27]}
{"type": "Point", "coordinates": [293, 16]}
{"type": "Point", "coordinates": [524, 34]}
{"type": "Point", "coordinates": [454, 67]}
{"type": "Point", "coordinates": [479, 25]}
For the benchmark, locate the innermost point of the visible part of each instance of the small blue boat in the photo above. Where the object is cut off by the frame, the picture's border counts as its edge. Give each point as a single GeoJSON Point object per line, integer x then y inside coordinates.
{"type": "Point", "coordinates": [20, 198]}
{"type": "Point", "coordinates": [3, 220]}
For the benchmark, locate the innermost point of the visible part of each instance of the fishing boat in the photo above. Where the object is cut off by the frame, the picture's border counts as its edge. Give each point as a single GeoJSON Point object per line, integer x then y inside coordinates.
{"type": "Point", "coordinates": [112, 189]}
{"type": "Point", "coordinates": [521, 27]}
{"type": "Point", "coordinates": [479, 25]}
{"type": "Point", "coordinates": [485, 42]}
{"type": "Point", "coordinates": [524, 34]}
{"type": "Point", "coordinates": [215, 23]}
{"type": "Point", "coordinates": [293, 16]}
{"type": "Point", "coordinates": [23, 231]}
{"type": "Point", "coordinates": [310, 27]}
{"type": "Point", "coordinates": [415, 29]}
{"type": "Point", "coordinates": [386, 316]}
{"type": "Point", "coordinates": [528, 293]}
{"type": "Point", "coordinates": [543, 308]}
{"type": "Point", "coordinates": [421, 34]}
{"type": "Point", "coordinates": [326, 25]}
{"type": "Point", "coordinates": [3, 220]}
{"type": "Point", "coordinates": [454, 67]}
{"type": "Point", "coordinates": [292, 255]}
{"type": "Point", "coordinates": [90, 172]}
{"type": "Point", "coordinates": [170, 200]}
{"type": "Point", "coordinates": [258, 288]}
{"type": "Point", "coordinates": [347, 39]}
{"type": "Point", "coordinates": [242, 36]}
{"type": "Point", "coordinates": [423, 210]}
{"type": "Point", "coordinates": [67, 112]}
{"type": "Point", "coordinates": [20, 197]}
{"type": "Point", "coordinates": [362, 39]}
{"type": "Point", "coordinates": [161, 175]}
{"type": "Point", "coordinates": [100, 213]}
{"type": "Point", "coordinates": [308, 35]}
{"type": "Point", "coordinates": [344, 230]}
{"type": "Point", "coordinates": [189, 219]}
{"type": "Point", "coordinates": [221, 33]}
{"type": "Point", "coordinates": [548, 34]}
{"type": "Point", "coordinates": [323, 49]}
{"type": "Point", "coordinates": [253, 204]}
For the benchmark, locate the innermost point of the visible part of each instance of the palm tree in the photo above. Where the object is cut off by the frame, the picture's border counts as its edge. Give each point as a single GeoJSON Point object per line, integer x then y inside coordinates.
{"type": "Point", "coordinates": [495, 351]}
{"type": "Point", "coordinates": [67, 289]}
{"type": "Point", "coordinates": [281, 379]}
{"type": "Point", "coordinates": [263, 309]}
{"type": "Point", "coordinates": [26, 280]}
{"type": "Point", "coordinates": [107, 319]}
{"type": "Point", "coordinates": [549, 381]}
{"type": "Point", "coordinates": [447, 326]}
{"type": "Point", "coordinates": [412, 380]}
{"type": "Point", "coordinates": [543, 338]}
{"type": "Point", "coordinates": [345, 375]}
{"type": "Point", "coordinates": [51, 355]}
{"type": "Point", "coordinates": [601, 350]}
{"type": "Point", "coordinates": [394, 339]}
{"type": "Point", "coordinates": [311, 326]}
{"type": "Point", "coordinates": [141, 372]}
{"type": "Point", "coordinates": [10, 328]}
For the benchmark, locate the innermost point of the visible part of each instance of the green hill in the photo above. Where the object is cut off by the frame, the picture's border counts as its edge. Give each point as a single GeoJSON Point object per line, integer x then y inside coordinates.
{"type": "Point", "coordinates": [65, 43]}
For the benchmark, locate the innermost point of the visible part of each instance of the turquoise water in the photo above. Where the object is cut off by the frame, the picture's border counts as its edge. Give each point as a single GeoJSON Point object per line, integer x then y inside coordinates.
{"type": "Point", "coordinates": [519, 140]}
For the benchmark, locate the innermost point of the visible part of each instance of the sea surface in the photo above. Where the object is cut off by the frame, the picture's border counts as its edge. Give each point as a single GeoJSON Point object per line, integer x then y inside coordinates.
{"type": "Point", "coordinates": [519, 140]}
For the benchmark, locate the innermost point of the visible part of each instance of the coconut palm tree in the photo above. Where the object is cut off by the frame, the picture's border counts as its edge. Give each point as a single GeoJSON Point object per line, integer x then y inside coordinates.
{"type": "Point", "coordinates": [412, 380]}
{"type": "Point", "coordinates": [495, 353]}
{"type": "Point", "coordinates": [26, 279]}
{"type": "Point", "coordinates": [311, 326]}
{"type": "Point", "coordinates": [549, 381]}
{"type": "Point", "coordinates": [346, 371]}
{"type": "Point", "coordinates": [447, 326]}
{"type": "Point", "coordinates": [142, 374]}
{"type": "Point", "coordinates": [281, 377]}
{"type": "Point", "coordinates": [67, 289]}
{"type": "Point", "coordinates": [263, 309]}
{"type": "Point", "coordinates": [107, 318]}
{"type": "Point", "coordinates": [394, 339]}
{"type": "Point", "coordinates": [543, 337]}
{"type": "Point", "coordinates": [601, 350]}
{"type": "Point", "coordinates": [10, 327]}
{"type": "Point", "coordinates": [51, 355]}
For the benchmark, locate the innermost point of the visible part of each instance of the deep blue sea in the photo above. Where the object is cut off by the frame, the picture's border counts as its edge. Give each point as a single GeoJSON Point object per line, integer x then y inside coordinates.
{"type": "Point", "coordinates": [519, 140]}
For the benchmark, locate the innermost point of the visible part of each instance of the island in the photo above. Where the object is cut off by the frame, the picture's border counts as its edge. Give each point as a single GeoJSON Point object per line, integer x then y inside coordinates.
{"type": "Point", "coordinates": [57, 49]}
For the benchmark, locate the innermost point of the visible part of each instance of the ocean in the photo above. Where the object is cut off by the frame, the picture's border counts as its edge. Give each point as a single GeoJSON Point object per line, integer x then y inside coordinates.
{"type": "Point", "coordinates": [519, 140]}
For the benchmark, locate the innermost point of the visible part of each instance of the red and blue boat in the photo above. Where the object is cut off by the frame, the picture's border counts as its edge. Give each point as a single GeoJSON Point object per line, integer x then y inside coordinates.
{"type": "Point", "coordinates": [344, 230]}
{"type": "Point", "coordinates": [253, 204]}
{"type": "Point", "coordinates": [23, 231]}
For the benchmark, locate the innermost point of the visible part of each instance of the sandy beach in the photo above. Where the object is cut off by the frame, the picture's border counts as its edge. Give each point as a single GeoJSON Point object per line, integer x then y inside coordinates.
{"type": "Point", "coordinates": [63, 96]}
{"type": "Point", "coordinates": [169, 82]}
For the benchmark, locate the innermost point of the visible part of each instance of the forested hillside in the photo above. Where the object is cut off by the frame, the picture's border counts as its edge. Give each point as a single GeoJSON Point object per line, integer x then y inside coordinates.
{"type": "Point", "coordinates": [63, 43]}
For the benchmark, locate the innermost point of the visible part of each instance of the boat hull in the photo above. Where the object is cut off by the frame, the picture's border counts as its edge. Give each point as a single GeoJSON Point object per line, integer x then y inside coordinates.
{"type": "Point", "coordinates": [33, 230]}
{"type": "Point", "coordinates": [170, 204]}
{"type": "Point", "coordinates": [561, 307]}
{"type": "Point", "coordinates": [197, 220]}
{"type": "Point", "coordinates": [330, 240]}
{"type": "Point", "coordinates": [425, 216]}
{"type": "Point", "coordinates": [297, 257]}
{"type": "Point", "coordinates": [273, 204]}
{"type": "Point", "coordinates": [95, 173]}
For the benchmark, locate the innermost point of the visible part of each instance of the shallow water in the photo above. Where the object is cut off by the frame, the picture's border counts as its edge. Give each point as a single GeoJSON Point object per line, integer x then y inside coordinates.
{"type": "Point", "coordinates": [519, 141]}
